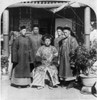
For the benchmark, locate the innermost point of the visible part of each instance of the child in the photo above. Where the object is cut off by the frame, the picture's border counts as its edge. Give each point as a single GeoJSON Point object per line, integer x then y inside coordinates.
{"type": "Point", "coordinates": [47, 69]}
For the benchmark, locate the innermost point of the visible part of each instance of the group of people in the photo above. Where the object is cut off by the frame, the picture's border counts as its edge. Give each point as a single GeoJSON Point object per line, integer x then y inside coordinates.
{"type": "Point", "coordinates": [36, 62]}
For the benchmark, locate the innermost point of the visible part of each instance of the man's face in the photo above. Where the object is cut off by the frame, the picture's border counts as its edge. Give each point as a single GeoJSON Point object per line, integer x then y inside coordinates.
{"type": "Point", "coordinates": [47, 42]}
{"type": "Point", "coordinates": [66, 33]}
{"type": "Point", "coordinates": [23, 31]}
{"type": "Point", "coordinates": [36, 30]}
{"type": "Point", "coordinates": [59, 31]}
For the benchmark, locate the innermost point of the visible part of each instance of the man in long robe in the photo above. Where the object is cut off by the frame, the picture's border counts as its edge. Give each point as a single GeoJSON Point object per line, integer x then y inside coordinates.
{"type": "Point", "coordinates": [21, 58]}
{"type": "Point", "coordinates": [13, 36]}
{"type": "Point", "coordinates": [47, 69]}
{"type": "Point", "coordinates": [57, 39]}
{"type": "Point", "coordinates": [36, 41]}
{"type": "Point", "coordinates": [69, 44]}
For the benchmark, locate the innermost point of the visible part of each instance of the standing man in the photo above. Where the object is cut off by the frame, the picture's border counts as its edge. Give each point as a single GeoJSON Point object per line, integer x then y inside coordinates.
{"type": "Point", "coordinates": [13, 36]}
{"type": "Point", "coordinates": [93, 35]}
{"type": "Point", "coordinates": [59, 35]}
{"type": "Point", "coordinates": [36, 40]}
{"type": "Point", "coordinates": [69, 44]}
{"type": "Point", "coordinates": [21, 58]}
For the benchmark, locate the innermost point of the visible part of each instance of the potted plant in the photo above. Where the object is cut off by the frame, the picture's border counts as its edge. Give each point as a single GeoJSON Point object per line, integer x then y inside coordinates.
{"type": "Point", "coordinates": [84, 61]}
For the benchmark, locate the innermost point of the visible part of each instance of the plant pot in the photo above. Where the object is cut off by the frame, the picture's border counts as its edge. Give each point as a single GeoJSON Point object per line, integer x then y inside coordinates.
{"type": "Point", "coordinates": [88, 80]}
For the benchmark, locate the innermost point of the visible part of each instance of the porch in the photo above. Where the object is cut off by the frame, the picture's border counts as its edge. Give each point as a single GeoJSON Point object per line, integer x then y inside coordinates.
{"type": "Point", "coordinates": [75, 15]}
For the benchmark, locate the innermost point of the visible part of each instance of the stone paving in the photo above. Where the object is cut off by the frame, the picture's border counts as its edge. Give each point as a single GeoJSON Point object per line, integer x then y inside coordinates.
{"type": "Point", "coordinates": [11, 93]}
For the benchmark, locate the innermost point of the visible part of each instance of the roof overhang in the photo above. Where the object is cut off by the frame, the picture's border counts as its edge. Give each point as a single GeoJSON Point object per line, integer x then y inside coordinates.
{"type": "Point", "coordinates": [45, 4]}
{"type": "Point", "coordinates": [12, 3]}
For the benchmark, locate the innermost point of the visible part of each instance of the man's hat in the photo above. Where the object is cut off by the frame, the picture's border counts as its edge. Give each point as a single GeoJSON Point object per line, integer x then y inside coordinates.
{"type": "Point", "coordinates": [60, 27]}
{"type": "Point", "coordinates": [67, 28]}
{"type": "Point", "coordinates": [22, 27]}
{"type": "Point", "coordinates": [47, 36]}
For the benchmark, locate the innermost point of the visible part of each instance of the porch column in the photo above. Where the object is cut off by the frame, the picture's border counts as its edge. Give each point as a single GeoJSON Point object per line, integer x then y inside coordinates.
{"type": "Point", "coordinates": [87, 27]}
{"type": "Point", "coordinates": [6, 31]}
{"type": "Point", "coordinates": [0, 51]}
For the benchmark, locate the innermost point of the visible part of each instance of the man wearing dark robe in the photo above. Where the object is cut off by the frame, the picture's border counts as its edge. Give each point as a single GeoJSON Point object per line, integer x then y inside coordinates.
{"type": "Point", "coordinates": [21, 58]}
{"type": "Point", "coordinates": [13, 36]}
{"type": "Point", "coordinates": [69, 44]}
{"type": "Point", "coordinates": [36, 40]}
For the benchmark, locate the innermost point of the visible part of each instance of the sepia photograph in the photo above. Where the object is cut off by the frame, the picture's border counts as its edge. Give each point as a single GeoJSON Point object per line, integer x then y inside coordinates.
{"type": "Point", "coordinates": [48, 49]}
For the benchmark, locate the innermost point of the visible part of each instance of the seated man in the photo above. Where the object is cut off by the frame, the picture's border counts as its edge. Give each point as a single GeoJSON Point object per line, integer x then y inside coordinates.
{"type": "Point", "coordinates": [47, 69]}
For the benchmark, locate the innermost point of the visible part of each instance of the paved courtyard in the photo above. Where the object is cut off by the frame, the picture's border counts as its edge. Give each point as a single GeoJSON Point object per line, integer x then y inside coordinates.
{"type": "Point", "coordinates": [11, 93]}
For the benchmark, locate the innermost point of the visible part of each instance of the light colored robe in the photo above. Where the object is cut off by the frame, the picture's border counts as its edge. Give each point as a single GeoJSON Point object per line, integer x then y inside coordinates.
{"type": "Point", "coordinates": [40, 73]}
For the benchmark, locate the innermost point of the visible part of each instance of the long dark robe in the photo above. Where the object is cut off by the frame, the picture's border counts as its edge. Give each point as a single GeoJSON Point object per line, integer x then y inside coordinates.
{"type": "Point", "coordinates": [58, 43]}
{"type": "Point", "coordinates": [21, 58]}
{"type": "Point", "coordinates": [68, 46]}
{"type": "Point", "coordinates": [11, 42]}
{"type": "Point", "coordinates": [36, 41]}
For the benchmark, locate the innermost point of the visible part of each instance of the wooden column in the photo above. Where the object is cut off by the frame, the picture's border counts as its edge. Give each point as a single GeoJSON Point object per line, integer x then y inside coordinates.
{"type": "Point", "coordinates": [6, 31]}
{"type": "Point", "coordinates": [87, 27]}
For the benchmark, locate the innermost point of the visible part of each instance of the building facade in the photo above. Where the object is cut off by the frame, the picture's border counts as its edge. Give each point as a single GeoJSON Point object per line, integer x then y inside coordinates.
{"type": "Point", "coordinates": [75, 15]}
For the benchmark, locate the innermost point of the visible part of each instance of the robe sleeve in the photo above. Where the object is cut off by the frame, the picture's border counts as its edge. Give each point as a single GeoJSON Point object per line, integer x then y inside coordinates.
{"type": "Point", "coordinates": [60, 40]}
{"type": "Point", "coordinates": [55, 52]}
{"type": "Point", "coordinates": [55, 57]}
{"type": "Point", "coordinates": [74, 44]}
{"type": "Point", "coordinates": [11, 41]}
{"type": "Point", "coordinates": [15, 51]}
{"type": "Point", "coordinates": [56, 44]}
{"type": "Point", "coordinates": [30, 51]}
{"type": "Point", "coordinates": [39, 52]}
{"type": "Point", "coordinates": [41, 41]}
{"type": "Point", "coordinates": [38, 58]}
